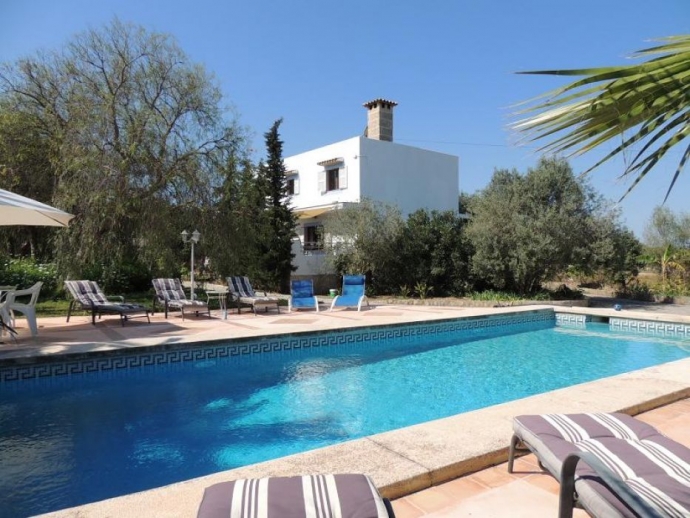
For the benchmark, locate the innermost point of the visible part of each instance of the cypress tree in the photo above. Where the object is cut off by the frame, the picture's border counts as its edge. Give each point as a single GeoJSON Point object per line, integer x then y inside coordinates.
{"type": "Point", "coordinates": [280, 222]}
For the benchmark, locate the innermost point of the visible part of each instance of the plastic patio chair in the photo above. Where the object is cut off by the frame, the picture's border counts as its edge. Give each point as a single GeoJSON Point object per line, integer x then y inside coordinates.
{"type": "Point", "coordinates": [353, 293]}
{"type": "Point", "coordinates": [28, 309]}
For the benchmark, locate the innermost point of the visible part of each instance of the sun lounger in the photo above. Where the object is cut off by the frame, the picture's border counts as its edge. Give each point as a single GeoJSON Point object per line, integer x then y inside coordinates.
{"type": "Point", "coordinates": [323, 496]}
{"type": "Point", "coordinates": [612, 465]}
{"type": "Point", "coordinates": [302, 295]}
{"type": "Point", "coordinates": [170, 293]}
{"type": "Point", "coordinates": [352, 294]}
{"type": "Point", "coordinates": [241, 292]}
{"type": "Point", "coordinates": [88, 295]}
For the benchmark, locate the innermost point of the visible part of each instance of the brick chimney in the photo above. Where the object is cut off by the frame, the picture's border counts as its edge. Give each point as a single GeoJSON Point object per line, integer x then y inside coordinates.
{"type": "Point", "coordinates": [380, 119]}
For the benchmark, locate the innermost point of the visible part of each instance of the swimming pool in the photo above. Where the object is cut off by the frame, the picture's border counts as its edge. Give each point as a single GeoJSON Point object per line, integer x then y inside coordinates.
{"type": "Point", "coordinates": [65, 441]}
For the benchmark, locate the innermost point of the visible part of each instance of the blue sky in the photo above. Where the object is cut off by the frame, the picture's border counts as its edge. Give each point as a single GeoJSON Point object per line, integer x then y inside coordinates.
{"type": "Point", "coordinates": [449, 64]}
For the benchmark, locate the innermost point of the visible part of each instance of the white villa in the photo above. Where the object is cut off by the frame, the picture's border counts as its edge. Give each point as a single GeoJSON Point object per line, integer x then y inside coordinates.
{"type": "Point", "coordinates": [372, 167]}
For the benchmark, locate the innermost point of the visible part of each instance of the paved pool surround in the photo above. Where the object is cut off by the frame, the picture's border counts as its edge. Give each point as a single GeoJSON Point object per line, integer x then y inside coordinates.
{"type": "Point", "coordinates": [410, 459]}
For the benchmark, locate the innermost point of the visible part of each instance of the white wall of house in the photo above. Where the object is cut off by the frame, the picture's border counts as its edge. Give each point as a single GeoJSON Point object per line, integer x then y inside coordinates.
{"type": "Point", "coordinates": [307, 170]}
{"type": "Point", "coordinates": [309, 263]}
{"type": "Point", "coordinates": [408, 177]}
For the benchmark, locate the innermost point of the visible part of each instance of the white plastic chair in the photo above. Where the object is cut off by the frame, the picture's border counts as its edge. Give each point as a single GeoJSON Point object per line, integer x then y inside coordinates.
{"type": "Point", "coordinates": [5, 316]}
{"type": "Point", "coordinates": [27, 309]}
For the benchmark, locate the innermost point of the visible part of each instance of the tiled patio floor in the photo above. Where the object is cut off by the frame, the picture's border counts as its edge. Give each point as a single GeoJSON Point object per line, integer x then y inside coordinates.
{"type": "Point", "coordinates": [526, 493]}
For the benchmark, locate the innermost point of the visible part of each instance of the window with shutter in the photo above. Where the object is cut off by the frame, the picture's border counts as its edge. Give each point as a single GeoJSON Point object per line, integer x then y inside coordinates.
{"type": "Point", "coordinates": [322, 182]}
{"type": "Point", "coordinates": [333, 178]}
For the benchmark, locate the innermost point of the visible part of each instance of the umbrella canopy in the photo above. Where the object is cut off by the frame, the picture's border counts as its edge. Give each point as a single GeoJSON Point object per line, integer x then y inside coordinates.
{"type": "Point", "coordinates": [19, 210]}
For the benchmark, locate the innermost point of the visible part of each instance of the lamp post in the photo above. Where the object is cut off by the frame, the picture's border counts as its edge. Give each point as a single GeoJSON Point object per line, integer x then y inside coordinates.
{"type": "Point", "coordinates": [193, 239]}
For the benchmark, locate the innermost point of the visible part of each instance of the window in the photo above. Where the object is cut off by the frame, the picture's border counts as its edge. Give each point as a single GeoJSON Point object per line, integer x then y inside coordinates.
{"type": "Point", "coordinates": [332, 180]}
{"type": "Point", "coordinates": [313, 237]}
{"type": "Point", "coordinates": [292, 184]}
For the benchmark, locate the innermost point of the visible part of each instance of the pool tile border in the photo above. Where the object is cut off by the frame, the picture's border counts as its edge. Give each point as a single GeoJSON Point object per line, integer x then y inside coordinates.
{"type": "Point", "coordinates": [650, 328]}
{"type": "Point", "coordinates": [572, 319]}
{"type": "Point", "coordinates": [12, 370]}
{"type": "Point", "coordinates": [105, 361]}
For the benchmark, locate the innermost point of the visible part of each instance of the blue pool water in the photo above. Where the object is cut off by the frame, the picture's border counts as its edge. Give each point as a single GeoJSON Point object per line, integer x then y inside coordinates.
{"type": "Point", "coordinates": [66, 441]}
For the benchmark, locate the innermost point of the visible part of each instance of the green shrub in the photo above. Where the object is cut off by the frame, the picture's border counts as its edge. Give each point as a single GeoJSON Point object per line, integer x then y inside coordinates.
{"type": "Point", "coordinates": [121, 278]}
{"type": "Point", "coordinates": [563, 292]}
{"type": "Point", "coordinates": [671, 288]}
{"type": "Point", "coordinates": [490, 295]}
{"type": "Point", "coordinates": [423, 290]}
{"type": "Point", "coordinates": [636, 291]}
{"type": "Point", "coordinates": [24, 273]}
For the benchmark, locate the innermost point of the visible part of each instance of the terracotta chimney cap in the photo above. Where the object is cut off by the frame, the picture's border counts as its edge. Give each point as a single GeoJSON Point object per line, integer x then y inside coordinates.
{"type": "Point", "coordinates": [385, 102]}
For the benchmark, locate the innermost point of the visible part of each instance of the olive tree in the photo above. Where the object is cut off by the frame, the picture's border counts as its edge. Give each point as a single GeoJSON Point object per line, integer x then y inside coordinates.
{"type": "Point", "coordinates": [612, 253]}
{"type": "Point", "coordinates": [363, 238]}
{"type": "Point", "coordinates": [433, 253]}
{"type": "Point", "coordinates": [668, 228]}
{"type": "Point", "coordinates": [525, 229]}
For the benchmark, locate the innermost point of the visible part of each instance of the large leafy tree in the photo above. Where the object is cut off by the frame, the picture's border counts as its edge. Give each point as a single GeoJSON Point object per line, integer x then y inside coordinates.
{"type": "Point", "coordinates": [668, 238]}
{"type": "Point", "coordinates": [25, 168]}
{"type": "Point", "coordinates": [432, 250]}
{"type": "Point", "coordinates": [612, 253]}
{"type": "Point", "coordinates": [363, 238]}
{"type": "Point", "coordinates": [136, 135]}
{"type": "Point", "coordinates": [667, 228]}
{"type": "Point", "coordinates": [526, 229]}
{"type": "Point", "coordinates": [279, 221]}
{"type": "Point", "coordinates": [646, 106]}
{"type": "Point", "coordinates": [232, 223]}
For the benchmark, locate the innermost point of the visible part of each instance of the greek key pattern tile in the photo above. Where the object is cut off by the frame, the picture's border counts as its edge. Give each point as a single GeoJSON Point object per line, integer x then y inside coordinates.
{"type": "Point", "coordinates": [351, 338]}
{"type": "Point", "coordinates": [570, 320]}
{"type": "Point", "coordinates": [666, 329]}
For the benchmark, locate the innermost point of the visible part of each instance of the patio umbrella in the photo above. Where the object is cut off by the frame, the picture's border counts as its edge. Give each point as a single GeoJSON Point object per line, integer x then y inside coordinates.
{"type": "Point", "coordinates": [19, 210]}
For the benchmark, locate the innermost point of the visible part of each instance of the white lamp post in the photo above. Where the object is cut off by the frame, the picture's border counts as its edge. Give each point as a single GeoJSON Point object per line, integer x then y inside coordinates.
{"type": "Point", "coordinates": [193, 239]}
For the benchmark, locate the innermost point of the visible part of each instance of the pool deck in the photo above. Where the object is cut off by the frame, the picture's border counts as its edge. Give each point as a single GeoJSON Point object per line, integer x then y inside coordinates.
{"type": "Point", "coordinates": [448, 467]}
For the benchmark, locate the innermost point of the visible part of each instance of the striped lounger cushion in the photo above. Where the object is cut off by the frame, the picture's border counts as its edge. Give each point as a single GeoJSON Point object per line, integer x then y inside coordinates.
{"type": "Point", "coordinates": [653, 466]}
{"type": "Point", "coordinates": [315, 496]}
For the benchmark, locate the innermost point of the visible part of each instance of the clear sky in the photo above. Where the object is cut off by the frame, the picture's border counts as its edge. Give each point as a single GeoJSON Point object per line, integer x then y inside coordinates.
{"type": "Point", "coordinates": [450, 64]}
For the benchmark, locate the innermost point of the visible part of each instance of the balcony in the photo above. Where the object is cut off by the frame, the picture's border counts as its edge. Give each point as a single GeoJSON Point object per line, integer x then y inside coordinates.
{"type": "Point", "coordinates": [309, 247]}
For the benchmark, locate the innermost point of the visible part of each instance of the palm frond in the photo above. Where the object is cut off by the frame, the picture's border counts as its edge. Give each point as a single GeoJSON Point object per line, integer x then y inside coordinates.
{"type": "Point", "coordinates": [650, 99]}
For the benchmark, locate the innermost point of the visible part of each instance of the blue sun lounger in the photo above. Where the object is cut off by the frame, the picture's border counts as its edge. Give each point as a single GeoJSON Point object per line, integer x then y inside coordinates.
{"type": "Point", "coordinates": [353, 293]}
{"type": "Point", "coordinates": [302, 295]}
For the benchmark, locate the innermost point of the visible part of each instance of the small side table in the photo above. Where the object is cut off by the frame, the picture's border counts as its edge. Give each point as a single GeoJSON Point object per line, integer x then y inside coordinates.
{"type": "Point", "coordinates": [222, 297]}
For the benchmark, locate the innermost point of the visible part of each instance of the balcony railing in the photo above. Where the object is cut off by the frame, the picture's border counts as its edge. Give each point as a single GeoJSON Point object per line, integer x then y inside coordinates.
{"type": "Point", "coordinates": [312, 246]}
